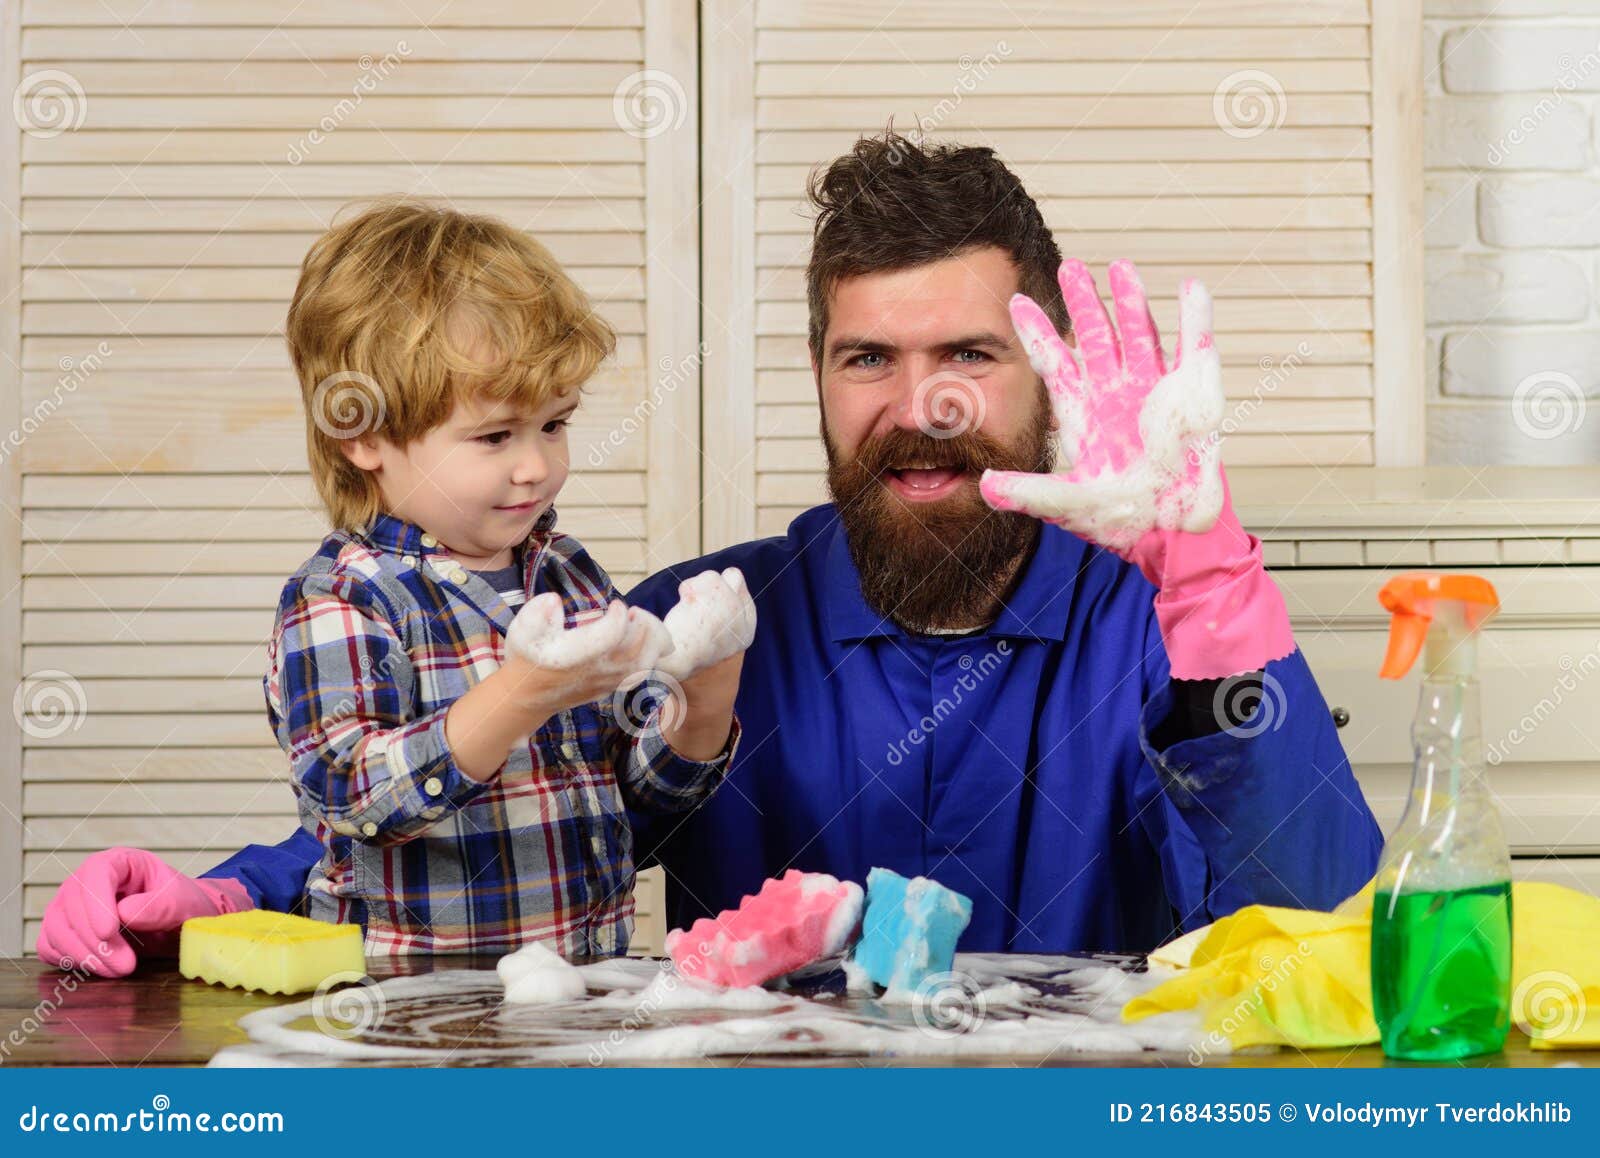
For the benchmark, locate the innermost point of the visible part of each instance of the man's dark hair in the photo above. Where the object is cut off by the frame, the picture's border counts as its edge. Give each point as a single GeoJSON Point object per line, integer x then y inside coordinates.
{"type": "Point", "coordinates": [891, 204]}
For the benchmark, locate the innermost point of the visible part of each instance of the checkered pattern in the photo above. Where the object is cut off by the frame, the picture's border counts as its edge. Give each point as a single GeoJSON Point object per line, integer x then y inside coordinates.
{"type": "Point", "coordinates": [377, 634]}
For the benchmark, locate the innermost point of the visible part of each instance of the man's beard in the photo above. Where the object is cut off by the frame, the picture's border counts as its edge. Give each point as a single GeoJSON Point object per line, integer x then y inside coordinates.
{"type": "Point", "coordinates": [944, 563]}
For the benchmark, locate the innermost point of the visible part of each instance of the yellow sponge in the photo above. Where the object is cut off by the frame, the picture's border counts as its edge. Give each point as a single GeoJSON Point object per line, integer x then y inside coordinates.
{"type": "Point", "coordinates": [269, 952]}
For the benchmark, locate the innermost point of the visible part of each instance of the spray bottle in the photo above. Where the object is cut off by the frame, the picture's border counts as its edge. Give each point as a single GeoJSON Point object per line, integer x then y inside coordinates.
{"type": "Point", "coordinates": [1441, 916]}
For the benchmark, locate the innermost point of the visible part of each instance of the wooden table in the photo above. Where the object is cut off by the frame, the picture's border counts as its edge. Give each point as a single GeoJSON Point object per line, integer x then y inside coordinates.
{"type": "Point", "coordinates": [157, 1018]}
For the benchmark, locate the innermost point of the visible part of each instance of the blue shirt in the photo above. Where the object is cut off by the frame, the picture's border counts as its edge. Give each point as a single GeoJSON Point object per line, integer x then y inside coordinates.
{"type": "Point", "coordinates": [1013, 764]}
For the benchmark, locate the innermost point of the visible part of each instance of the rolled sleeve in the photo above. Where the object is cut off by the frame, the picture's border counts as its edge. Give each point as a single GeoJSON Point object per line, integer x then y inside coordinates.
{"type": "Point", "coordinates": [422, 784]}
{"type": "Point", "coordinates": [340, 695]}
{"type": "Point", "coordinates": [655, 778]}
{"type": "Point", "coordinates": [1271, 799]}
{"type": "Point", "coordinates": [274, 875]}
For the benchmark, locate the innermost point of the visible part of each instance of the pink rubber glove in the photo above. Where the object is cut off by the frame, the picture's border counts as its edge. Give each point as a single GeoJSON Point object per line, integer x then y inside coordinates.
{"type": "Point", "coordinates": [122, 891]}
{"type": "Point", "coordinates": [1144, 477]}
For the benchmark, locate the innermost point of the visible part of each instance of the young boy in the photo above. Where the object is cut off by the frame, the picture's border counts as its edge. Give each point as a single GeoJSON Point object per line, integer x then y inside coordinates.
{"type": "Point", "coordinates": [467, 798]}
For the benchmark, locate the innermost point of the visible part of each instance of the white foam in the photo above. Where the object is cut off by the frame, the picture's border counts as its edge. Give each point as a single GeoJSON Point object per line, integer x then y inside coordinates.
{"type": "Point", "coordinates": [714, 618]}
{"type": "Point", "coordinates": [667, 990]}
{"type": "Point", "coordinates": [458, 1017]}
{"type": "Point", "coordinates": [539, 635]}
{"type": "Point", "coordinates": [845, 917]}
{"type": "Point", "coordinates": [1175, 482]}
{"type": "Point", "coordinates": [537, 975]}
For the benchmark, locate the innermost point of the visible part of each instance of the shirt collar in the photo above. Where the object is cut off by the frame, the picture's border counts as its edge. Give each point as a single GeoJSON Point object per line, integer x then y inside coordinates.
{"type": "Point", "coordinates": [401, 537]}
{"type": "Point", "coordinates": [1037, 609]}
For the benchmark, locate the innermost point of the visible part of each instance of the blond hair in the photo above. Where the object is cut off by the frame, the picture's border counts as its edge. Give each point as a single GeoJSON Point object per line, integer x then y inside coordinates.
{"type": "Point", "coordinates": [387, 308]}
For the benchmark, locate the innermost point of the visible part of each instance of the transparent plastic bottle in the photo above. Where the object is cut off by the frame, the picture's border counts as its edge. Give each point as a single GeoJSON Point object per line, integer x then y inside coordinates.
{"type": "Point", "coordinates": [1441, 916]}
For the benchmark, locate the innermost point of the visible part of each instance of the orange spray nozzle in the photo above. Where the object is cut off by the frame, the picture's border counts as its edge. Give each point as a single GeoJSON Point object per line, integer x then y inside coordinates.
{"type": "Point", "coordinates": [1411, 599]}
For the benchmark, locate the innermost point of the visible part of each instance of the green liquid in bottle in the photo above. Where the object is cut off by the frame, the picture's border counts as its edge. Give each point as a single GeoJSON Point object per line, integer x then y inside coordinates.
{"type": "Point", "coordinates": [1441, 971]}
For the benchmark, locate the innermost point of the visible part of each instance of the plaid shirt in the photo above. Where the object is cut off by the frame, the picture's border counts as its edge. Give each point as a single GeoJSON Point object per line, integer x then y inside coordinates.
{"type": "Point", "coordinates": [377, 634]}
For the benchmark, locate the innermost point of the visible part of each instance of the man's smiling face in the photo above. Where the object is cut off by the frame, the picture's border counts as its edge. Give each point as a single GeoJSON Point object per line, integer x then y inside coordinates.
{"type": "Point", "coordinates": [924, 385]}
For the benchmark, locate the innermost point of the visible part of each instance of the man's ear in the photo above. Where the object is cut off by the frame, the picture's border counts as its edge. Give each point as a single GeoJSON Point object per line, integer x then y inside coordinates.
{"type": "Point", "coordinates": [362, 450]}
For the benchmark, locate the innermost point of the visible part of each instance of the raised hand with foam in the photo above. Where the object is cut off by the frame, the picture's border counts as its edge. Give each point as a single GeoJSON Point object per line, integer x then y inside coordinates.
{"type": "Point", "coordinates": [714, 619]}
{"type": "Point", "coordinates": [1144, 474]}
{"type": "Point", "coordinates": [614, 650]}
{"type": "Point", "coordinates": [122, 892]}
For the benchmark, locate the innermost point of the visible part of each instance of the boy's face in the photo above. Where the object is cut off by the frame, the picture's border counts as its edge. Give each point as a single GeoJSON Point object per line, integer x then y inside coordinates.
{"type": "Point", "coordinates": [478, 481]}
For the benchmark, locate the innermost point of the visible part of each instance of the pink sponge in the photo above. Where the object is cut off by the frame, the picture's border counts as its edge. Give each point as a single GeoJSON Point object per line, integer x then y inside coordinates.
{"type": "Point", "coordinates": [793, 921]}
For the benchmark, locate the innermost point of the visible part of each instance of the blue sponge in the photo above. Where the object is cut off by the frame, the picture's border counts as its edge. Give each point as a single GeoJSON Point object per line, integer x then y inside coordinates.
{"type": "Point", "coordinates": [910, 929]}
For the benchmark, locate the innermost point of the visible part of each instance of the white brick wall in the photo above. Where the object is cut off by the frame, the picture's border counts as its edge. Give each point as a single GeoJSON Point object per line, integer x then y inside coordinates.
{"type": "Point", "coordinates": [1513, 230]}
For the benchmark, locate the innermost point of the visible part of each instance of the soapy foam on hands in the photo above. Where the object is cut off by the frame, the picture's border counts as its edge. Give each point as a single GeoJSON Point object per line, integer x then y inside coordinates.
{"type": "Point", "coordinates": [1114, 491]}
{"type": "Point", "coordinates": [539, 634]}
{"type": "Point", "coordinates": [714, 619]}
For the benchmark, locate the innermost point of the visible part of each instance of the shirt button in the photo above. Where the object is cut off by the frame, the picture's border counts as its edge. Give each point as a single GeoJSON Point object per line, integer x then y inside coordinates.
{"type": "Point", "coordinates": [569, 750]}
{"type": "Point", "coordinates": [409, 560]}
{"type": "Point", "coordinates": [369, 829]}
{"type": "Point", "coordinates": [432, 786]}
{"type": "Point", "coordinates": [429, 541]}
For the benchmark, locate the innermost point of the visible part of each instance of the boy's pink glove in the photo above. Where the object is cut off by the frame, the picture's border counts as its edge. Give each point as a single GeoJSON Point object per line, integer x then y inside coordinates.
{"type": "Point", "coordinates": [127, 890]}
{"type": "Point", "coordinates": [1144, 477]}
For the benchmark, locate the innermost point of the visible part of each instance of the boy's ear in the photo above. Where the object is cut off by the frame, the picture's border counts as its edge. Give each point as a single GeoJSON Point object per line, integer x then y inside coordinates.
{"type": "Point", "coordinates": [362, 450]}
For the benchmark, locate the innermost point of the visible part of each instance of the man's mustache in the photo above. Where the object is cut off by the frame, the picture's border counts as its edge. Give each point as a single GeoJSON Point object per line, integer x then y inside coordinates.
{"type": "Point", "coordinates": [971, 451]}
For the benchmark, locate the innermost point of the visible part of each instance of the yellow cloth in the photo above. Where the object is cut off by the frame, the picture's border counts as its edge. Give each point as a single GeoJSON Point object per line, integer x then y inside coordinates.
{"type": "Point", "coordinates": [1271, 976]}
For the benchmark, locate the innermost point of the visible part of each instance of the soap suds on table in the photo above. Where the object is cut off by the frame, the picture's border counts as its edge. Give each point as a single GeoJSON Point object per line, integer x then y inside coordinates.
{"type": "Point", "coordinates": [1024, 1007]}
{"type": "Point", "coordinates": [537, 975]}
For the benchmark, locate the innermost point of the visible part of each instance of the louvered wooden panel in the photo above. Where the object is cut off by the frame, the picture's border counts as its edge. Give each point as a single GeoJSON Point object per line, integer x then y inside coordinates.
{"type": "Point", "coordinates": [1122, 123]}
{"type": "Point", "coordinates": [163, 491]}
